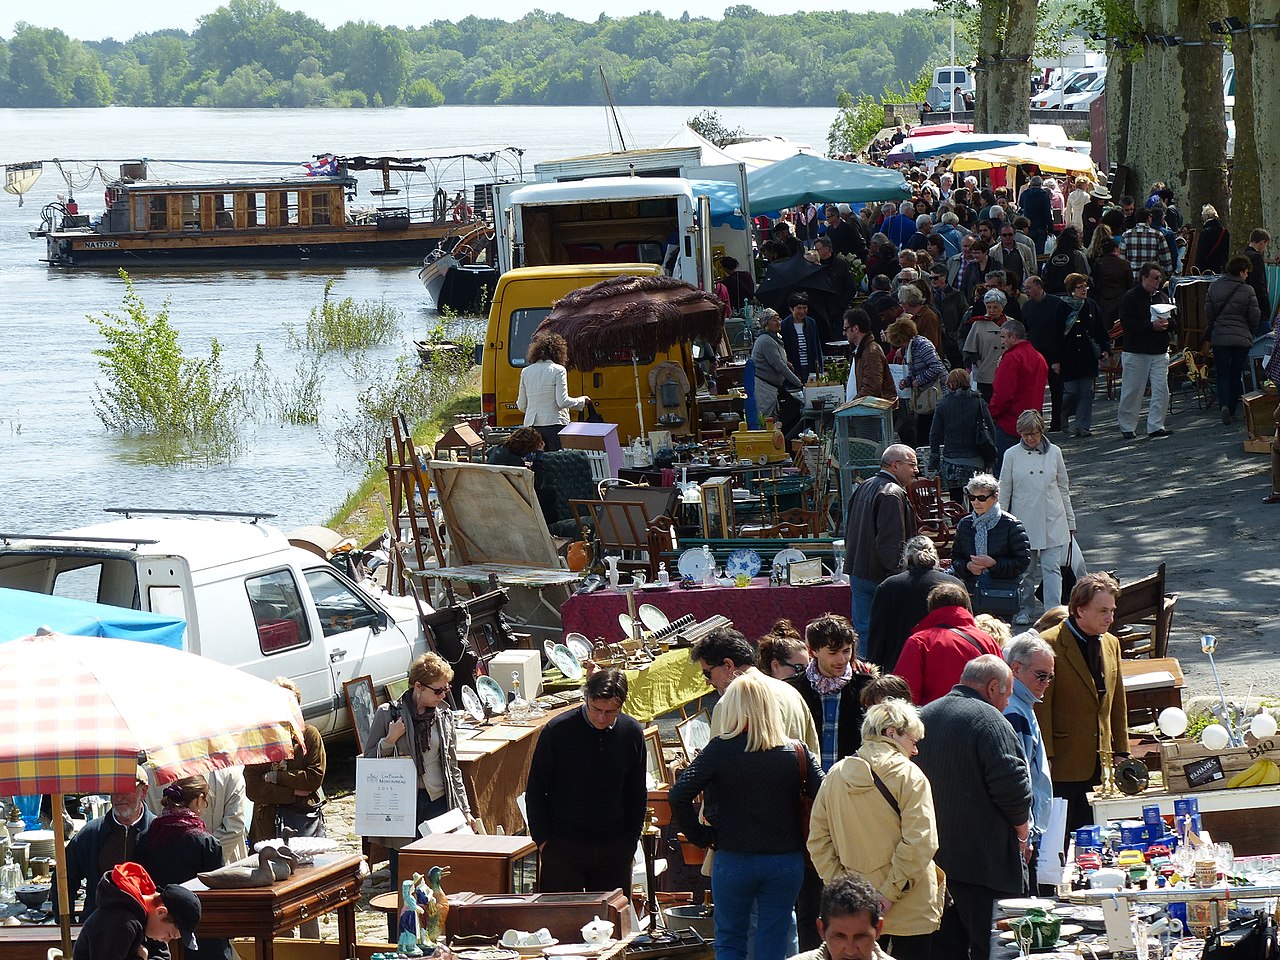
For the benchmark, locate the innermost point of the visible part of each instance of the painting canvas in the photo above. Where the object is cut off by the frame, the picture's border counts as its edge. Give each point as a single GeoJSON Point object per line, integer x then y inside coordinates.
{"type": "Point", "coordinates": [362, 702]}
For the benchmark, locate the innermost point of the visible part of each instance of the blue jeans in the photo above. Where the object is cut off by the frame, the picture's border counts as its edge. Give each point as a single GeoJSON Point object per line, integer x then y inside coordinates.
{"type": "Point", "coordinates": [1077, 401]}
{"type": "Point", "coordinates": [769, 882]}
{"type": "Point", "coordinates": [1229, 363]}
{"type": "Point", "coordinates": [864, 592]}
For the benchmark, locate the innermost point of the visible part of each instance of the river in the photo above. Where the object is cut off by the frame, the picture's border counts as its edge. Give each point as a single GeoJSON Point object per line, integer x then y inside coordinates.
{"type": "Point", "coordinates": [59, 467]}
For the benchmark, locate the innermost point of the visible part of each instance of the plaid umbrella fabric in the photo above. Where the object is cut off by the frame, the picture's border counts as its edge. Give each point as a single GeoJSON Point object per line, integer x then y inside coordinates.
{"type": "Point", "coordinates": [81, 712]}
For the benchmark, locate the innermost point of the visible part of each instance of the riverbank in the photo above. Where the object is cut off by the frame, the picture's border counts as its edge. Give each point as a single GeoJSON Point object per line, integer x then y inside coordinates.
{"type": "Point", "coordinates": [360, 515]}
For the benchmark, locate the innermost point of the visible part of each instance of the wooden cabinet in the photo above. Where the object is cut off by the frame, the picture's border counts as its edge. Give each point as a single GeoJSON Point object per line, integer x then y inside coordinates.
{"type": "Point", "coordinates": [480, 864]}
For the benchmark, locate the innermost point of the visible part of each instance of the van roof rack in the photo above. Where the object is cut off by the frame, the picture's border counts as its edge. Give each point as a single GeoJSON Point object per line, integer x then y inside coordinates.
{"type": "Point", "coordinates": [8, 538]}
{"type": "Point", "coordinates": [252, 515]}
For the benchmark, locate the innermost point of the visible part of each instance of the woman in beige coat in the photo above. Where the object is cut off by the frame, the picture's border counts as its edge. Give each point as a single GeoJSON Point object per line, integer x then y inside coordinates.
{"type": "Point", "coordinates": [874, 815]}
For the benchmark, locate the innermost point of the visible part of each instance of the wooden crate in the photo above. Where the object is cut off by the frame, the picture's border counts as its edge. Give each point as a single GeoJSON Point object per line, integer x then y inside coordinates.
{"type": "Point", "coordinates": [1175, 757]}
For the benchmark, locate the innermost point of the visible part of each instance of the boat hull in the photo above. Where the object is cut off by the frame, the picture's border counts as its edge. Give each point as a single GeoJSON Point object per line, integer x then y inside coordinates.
{"type": "Point", "coordinates": [90, 250]}
{"type": "Point", "coordinates": [467, 288]}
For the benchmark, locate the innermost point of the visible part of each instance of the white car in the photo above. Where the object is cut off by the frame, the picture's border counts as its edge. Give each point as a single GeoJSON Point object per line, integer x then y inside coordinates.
{"type": "Point", "coordinates": [1091, 92]}
{"type": "Point", "coordinates": [1076, 81]}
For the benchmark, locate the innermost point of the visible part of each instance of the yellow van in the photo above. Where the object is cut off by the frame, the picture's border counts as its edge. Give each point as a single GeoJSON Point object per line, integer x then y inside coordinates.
{"type": "Point", "coordinates": [523, 299]}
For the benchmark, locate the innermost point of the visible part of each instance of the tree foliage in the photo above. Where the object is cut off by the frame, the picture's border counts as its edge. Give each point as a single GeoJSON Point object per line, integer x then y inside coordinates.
{"type": "Point", "coordinates": [859, 119]}
{"type": "Point", "coordinates": [256, 53]}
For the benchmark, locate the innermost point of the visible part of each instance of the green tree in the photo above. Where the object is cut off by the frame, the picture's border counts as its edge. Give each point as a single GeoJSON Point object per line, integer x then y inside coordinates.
{"type": "Point", "coordinates": [423, 93]}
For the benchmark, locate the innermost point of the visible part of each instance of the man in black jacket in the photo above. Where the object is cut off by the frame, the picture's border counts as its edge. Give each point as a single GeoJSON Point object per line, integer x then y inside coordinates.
{"type": "Point", "coordinates": [982, 800]}
{"type": "Point", "coordinates": [131, 913]}
{"type": "Point", "coordinates": [587, 790]}
{"type": "Point", "coordinates": [1256, 251]}
{"type": "Point", "coordinates": [1045, 318]}
{"type": "Point", "coordinates": [107, 841]}
{"type": "Point", "coordinates": [1146, 356]}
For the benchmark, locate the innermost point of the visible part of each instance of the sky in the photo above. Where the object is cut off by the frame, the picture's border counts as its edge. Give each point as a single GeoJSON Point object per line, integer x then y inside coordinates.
{"type": "Point", "coordinates": [95, 20]}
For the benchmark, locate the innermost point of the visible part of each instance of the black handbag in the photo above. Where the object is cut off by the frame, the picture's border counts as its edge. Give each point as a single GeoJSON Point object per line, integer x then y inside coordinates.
{"type": "Point", "coordinates": [1248, 938]}
{"type": "Point", "coordinates": [983, 439]}
{"type": "Point", "coordinates": [590, 414]}
{"type": "Point", "coordinates": [303, 821]}
{"type": "Point", "coordinates": [995, 596]}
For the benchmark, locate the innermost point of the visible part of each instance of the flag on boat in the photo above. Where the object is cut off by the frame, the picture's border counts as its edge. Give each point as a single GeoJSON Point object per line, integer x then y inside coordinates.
{"type": "Point", "coordinates": [323, 166]}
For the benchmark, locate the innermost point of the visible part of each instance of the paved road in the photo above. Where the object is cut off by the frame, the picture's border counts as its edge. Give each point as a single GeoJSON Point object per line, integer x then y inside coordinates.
{"type": "Point", "coordinates": [1193, 501]}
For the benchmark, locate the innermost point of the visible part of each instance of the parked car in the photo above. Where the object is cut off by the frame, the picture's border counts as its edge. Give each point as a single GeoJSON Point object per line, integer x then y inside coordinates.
{"type": "Point", "coordinates": [250, 598]}
{"type": "Point", "coordinates": [1083, 99]}
{"type": "Point", "coordinates": [1074, 83]}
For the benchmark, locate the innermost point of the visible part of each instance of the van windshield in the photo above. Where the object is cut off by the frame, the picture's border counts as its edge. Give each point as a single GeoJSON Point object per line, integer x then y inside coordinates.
{"type": "Point", "coordinates": [523, 325]}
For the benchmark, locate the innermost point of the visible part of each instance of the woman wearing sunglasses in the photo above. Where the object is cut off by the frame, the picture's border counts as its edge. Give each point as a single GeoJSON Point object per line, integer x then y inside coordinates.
{"type": "Point", "coordinates": [420, 725]}
{"type": "Point", "coordinates": [991, 551]}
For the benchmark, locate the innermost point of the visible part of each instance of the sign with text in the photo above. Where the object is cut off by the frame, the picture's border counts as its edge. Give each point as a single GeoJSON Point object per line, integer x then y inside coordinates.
{"type": "Point", "coordinates": [386, 797]}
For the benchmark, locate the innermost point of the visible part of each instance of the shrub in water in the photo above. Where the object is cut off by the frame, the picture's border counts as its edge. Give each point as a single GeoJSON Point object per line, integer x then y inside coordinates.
{"type": "Point", "coordinates": [345, 325]}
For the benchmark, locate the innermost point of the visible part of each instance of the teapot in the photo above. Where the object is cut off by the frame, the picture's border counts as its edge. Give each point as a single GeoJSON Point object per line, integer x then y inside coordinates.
{"type": "Point", "coordinates": [1036, 930]}
{"type": "Point", "coordinates": [597, 931]}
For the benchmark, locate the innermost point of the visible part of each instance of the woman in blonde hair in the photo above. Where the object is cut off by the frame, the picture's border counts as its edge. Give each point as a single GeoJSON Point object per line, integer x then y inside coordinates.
{"type": "Point", "coordinates": [751, 778]}
{"type": "Point", "coordinates": [874, 816]}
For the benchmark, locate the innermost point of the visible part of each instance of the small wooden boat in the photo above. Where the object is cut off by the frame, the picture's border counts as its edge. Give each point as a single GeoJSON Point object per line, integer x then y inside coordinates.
{"type": "Point", "coordinates": [461, 272]}
{"type": "Point", "coordinates": [282, 220]}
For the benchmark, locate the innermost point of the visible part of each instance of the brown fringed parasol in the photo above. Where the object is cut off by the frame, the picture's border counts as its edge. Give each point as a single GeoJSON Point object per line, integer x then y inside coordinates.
{"type": "Point", "coordinates": [641, 314]}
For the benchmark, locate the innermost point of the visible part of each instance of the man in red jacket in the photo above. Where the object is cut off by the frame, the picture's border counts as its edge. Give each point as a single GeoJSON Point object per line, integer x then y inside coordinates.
{"type": "Point", "coordinates": [947, 638]}
{"type": "Point", "coordinates": [1019, 385]}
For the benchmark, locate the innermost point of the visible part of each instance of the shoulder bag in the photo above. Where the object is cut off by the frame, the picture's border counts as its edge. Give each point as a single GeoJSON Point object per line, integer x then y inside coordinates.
{"type": "Point", "coordinates": [984, 441]}
{"type": "Point", "coordinates": [806, 801]}
{"type": "Point", "coordinates": [991, 596]}
{"type": "Point", "coordinates": [923, 400]}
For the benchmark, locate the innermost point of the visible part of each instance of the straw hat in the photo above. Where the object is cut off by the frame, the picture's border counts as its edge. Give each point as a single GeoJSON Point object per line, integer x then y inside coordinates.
{"type": "Point", "coordinates": [1101, 193]}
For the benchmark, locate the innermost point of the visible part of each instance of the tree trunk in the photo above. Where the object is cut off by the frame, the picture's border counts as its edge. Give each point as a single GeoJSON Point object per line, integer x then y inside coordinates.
{"type": "Point", "coordinates": [1006, 36]}
{"type": "Point", "coordinates": [1205, 138]}
{"type": "Point", "coordinates": [1119, 94]}
{"type": "Point", "coordinates": [1266, 112]}
{"type": "Point", "coordinates": [1246, 189]}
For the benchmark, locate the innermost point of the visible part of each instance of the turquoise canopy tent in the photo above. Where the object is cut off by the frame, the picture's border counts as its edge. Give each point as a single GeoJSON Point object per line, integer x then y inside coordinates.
{"type": "Point", "coordinates": [23, 612]}
{"type": "Point", "coordinates": [805, 178]}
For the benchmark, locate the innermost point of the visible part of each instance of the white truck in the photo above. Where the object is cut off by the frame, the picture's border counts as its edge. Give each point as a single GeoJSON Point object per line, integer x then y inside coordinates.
{"type": "Point", "coordinates": [250, 598]}
{"type": "Point", "coordinates": [634, 206]}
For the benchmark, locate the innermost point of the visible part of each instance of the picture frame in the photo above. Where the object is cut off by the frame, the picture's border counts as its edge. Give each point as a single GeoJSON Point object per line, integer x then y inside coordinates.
{"type": "Point", "coordinates": [694, 734]}
{"type": "Point", "coordinates": [362, 703]}
{"type": "Point", "coordinates": [397, 689]}
{"type": "Point", "coordinates": [717, 508]}
{"type": "Point", "coordinates": [655, 765]}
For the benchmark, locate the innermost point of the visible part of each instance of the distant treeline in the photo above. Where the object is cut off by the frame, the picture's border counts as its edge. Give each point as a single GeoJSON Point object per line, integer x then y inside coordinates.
{"type": "Point", "coordinates": [253, 53]}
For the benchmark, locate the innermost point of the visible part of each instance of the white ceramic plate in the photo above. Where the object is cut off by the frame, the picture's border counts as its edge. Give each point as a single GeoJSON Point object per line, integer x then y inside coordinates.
{"type": "Point", "coordinates": [547, 646]}
{"type": "Point", "coordinates": [693, 563]}
{"type": "Point", "coordinates": [491, 694]}
{"type": "Point", "coordinates": [1021, 905]}
{"type": "Point", "coordinates": [784, 558]}
{"type": "Point", "coordinates": [579, 645]}
{"type": "Point", "coordinates": [578, 949]}
{"type": "Point", "coordinates": [566, 662]}
{"type": "Point", "coordinates": [652, 617]}
{"type": "Point", "coordinates": [472, 704]}
{"type": "Point", "coordinates": [625, 624]}
{"type": "Point", "coordinates": [742, 562]}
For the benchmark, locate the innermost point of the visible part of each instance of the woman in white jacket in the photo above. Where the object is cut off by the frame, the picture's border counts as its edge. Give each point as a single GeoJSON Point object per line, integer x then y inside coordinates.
{"type": "Point", "coordinates": [1034, 487]}
{"type": "Point", "coordinates": [874, 815]}
{"type": "Point", "coordinates": [544, 388]}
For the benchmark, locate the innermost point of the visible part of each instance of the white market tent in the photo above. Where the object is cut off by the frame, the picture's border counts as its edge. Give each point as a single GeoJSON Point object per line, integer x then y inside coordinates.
{"type": "Point", "coordinates": [754, 154]}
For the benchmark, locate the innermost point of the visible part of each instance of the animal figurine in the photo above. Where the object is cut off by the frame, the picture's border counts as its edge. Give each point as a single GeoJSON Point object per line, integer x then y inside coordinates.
{"type": "Point", "coordinates": [422, 894]}
{"type": "Point", "coordinates": [283, 861]}
{"type": "Point", "coordinates": [410, 914]}
{"type": "Point", "coordinates": [235, 877]}
{"type": "Point", "coordinates": [438, 911]}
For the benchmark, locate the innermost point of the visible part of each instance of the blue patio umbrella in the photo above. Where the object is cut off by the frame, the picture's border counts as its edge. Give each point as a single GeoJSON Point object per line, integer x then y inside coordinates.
{"type": "Point", "coordinates": [804, 178]}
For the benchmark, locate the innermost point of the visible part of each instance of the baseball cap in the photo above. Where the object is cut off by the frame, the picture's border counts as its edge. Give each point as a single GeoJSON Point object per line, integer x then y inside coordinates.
{"type": "Point", "coordinates": [184, 911]}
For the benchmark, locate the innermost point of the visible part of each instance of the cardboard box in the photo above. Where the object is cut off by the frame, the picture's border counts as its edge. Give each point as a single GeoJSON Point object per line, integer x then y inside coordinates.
{"type": "Point", "coordinates": [526, 663]}
{"type": "Point", "coordinates": [1188, 766]}
{"type": "Point", "coordinates": [831, 393]}
{"type": "Point", "coordinates": [594, 436]}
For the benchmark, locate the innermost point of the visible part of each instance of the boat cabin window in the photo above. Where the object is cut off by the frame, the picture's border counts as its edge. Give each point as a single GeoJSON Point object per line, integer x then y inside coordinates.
{"type": "Point", "coordinates": [191, 212]}
{"type": "Point", "coordinates": [523, 324]}
{"type": "Point", "coordinates": [320, 212]}
{"type": "Point", "coordinates": [277, 611]}
{"type": "Point", "coordinates": [158, 212]}
{"type": "Point", "coordinates": [288, 208]}
{"type": "Point", "coordinates": [224, 205]}
{"type": "Point", "coordinates": [255, 209]}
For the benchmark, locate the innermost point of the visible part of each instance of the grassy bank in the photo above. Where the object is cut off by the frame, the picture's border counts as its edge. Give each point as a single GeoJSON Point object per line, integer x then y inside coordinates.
{"type": "Point", "coordinates": [360, 515]}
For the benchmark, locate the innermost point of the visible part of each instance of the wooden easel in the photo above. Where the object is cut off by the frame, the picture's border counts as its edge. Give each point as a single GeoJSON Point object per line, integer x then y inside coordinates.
{"type": "Point", "coordinates": [409, 508]}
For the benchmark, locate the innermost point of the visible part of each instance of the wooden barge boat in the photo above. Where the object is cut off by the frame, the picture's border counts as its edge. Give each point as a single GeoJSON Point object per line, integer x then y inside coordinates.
{"type": "Point", "coordinates": [259, 220]}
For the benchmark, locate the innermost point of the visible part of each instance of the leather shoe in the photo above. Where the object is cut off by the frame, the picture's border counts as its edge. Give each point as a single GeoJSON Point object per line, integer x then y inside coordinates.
{"type": "Point", "coordinates": [1273, 498]}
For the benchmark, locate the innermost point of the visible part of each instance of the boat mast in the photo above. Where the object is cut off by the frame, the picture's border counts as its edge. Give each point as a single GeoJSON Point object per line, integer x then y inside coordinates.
{"type": "Point", "coordinates": [612, 107]}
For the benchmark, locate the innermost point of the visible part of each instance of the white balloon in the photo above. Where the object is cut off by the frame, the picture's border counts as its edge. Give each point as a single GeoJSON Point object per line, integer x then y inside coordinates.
{"type": "Point", "coordinates": [1263, 725]}
{"type": "Point", "coordinates": [1173, 721]}
{"type": "Point", "coordinates": [1215, 737]}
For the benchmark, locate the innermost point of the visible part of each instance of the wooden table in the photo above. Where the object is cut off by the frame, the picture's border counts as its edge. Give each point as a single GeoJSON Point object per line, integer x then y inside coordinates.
{"type": "Point", "coordinates": [495, 765]}
{"type": "Point", "coordinates": [330, 885]}
{"type": "Point", "coordinates": [1147, 704]}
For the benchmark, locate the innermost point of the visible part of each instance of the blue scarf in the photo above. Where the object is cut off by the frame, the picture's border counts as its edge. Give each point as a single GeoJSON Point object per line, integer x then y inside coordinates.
{"type": "Point", "coordinates": [1076, 304]}
{"type": "Point", "coordinates": [982, 526]}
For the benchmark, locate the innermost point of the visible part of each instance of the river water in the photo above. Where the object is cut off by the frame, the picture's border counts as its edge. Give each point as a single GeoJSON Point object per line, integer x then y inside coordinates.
{"type": "Point", "coordinates": [58, 465]}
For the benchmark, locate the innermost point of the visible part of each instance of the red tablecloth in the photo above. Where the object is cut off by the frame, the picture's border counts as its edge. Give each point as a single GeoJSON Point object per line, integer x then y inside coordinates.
{"type": "Point", "coordinates": [752, 609]}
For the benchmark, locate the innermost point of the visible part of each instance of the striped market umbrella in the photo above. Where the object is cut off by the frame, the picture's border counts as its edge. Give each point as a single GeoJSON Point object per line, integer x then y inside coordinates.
{"type": "Point", "coordinates": [80, 713]}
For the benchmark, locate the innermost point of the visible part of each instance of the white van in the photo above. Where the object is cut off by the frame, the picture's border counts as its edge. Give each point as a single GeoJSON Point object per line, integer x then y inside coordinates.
{"type": "Point", "coordinates": [250, 599]}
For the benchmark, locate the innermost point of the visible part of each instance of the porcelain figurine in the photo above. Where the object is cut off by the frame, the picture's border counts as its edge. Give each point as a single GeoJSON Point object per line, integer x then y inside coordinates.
{"type": "Point", "coordinates": [410, 917]}
{"type": "Point", "coordinates": [438, 910]}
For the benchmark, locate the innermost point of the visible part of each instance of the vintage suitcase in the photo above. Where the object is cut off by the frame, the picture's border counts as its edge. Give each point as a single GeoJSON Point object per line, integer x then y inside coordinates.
{"type": "Point", "coordinates": [477, 862]}
{"type": "Point", "coordinates": [563, 914]}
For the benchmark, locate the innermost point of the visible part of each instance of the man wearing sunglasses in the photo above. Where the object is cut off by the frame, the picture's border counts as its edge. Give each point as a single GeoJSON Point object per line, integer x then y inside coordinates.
{"type": "Point", "coordinates": [1031, 659]}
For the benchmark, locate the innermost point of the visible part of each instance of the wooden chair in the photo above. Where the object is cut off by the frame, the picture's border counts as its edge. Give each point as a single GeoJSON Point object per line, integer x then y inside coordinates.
{"type": "Point", "coordinates": [620, 527]}
{"type": "Point", "coordinates": [778, 531]}
{"type": "Point", "coordinates": [1197, 373]}
{"type": "Point", "coordinates": [936, 513]}
{"type": "Point", "coordinates": [1144, 617]}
